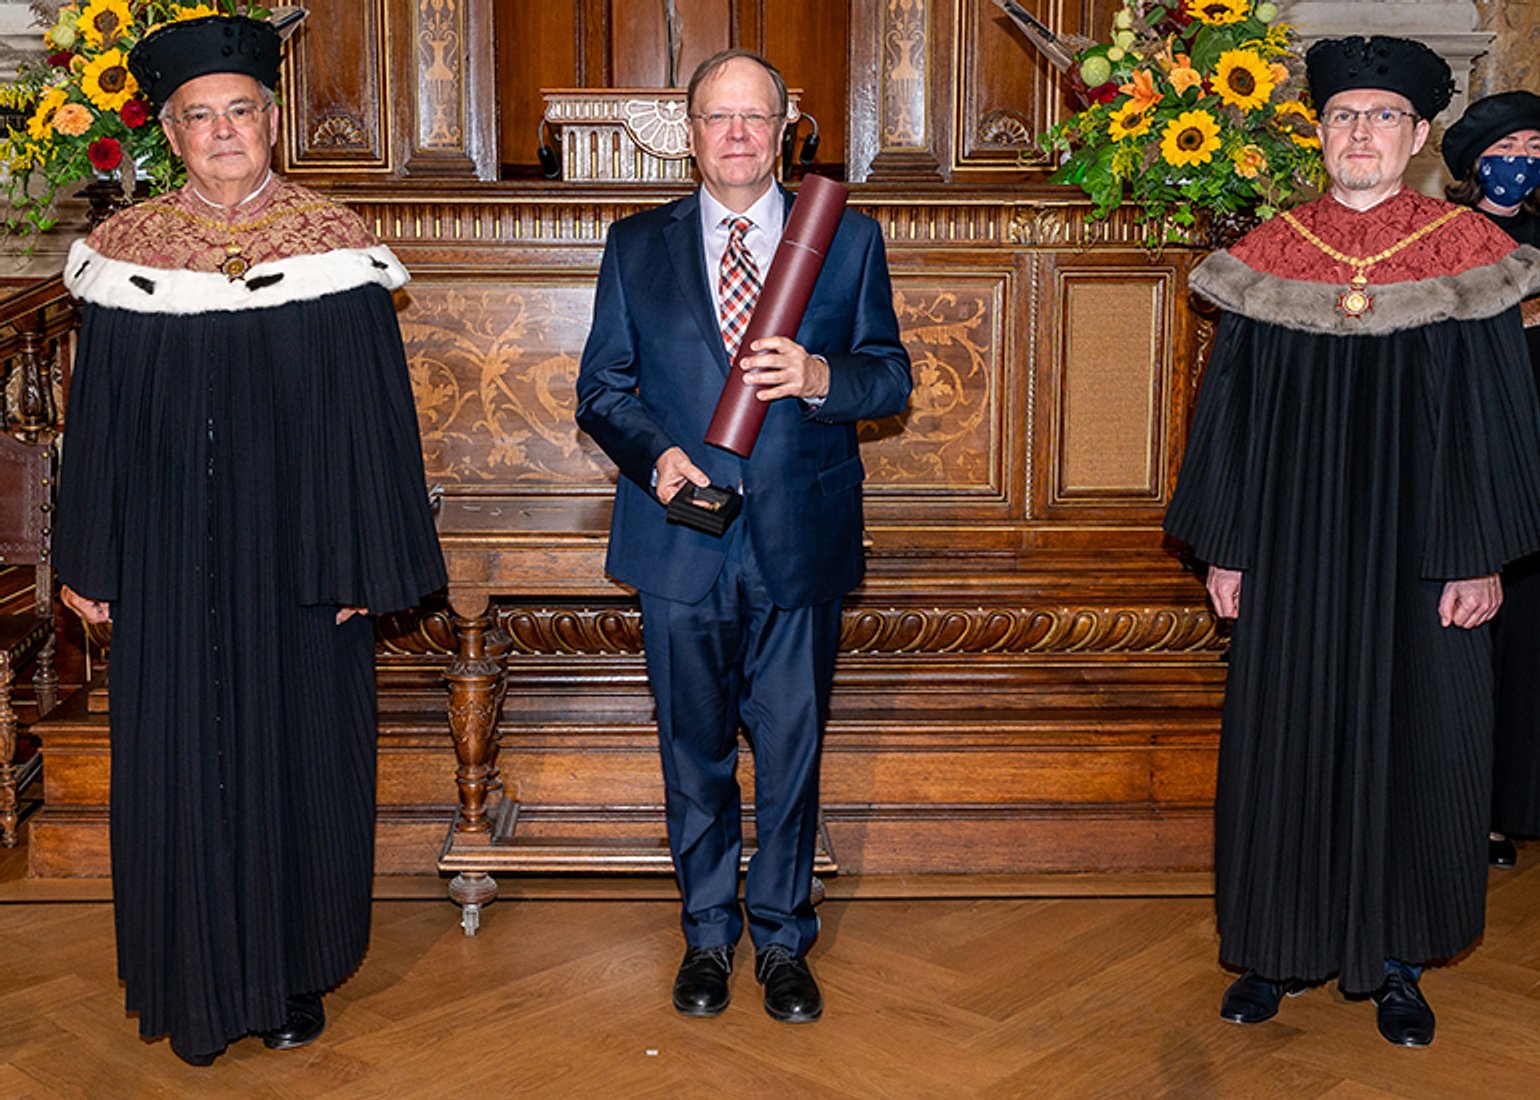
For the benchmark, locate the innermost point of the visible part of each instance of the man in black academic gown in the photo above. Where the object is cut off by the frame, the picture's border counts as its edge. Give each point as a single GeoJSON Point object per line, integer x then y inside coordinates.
{"type": "Point", "coordinates": [242, 483]}
{"type": "Point", "coordinates": [1364, 459]}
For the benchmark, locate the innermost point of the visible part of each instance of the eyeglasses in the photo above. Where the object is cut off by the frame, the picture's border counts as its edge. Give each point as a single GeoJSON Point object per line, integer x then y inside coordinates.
{"type": "Point", "coordinates": [718, 121]}
{"type": "Point", "coordinates": [241, 114]}
{"type": "Point", "coordinates": [1381, 118]}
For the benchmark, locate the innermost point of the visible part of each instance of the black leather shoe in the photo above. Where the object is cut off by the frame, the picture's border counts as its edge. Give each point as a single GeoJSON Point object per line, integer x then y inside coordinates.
{"type": "Point", "coordinates": [1502, 853]}
{"type": "Point", "coordinates": [1404, 1016]}
{"type": "Point", "coordinates": [1252, 998]}
{"type": "Point", "coordinates": [306, 1021]}
{"type": "Point", "coordinates": [791, 994]}
{"type": "Point", "coordinates": [700, 989]}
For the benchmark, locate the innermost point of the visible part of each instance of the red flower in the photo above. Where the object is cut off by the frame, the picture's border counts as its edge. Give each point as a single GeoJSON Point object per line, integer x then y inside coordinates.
{"type": "Point", "coordinates": [134, 113]}
{"type": "Point", "coordinates": [1103, 93]}
{"type": "Point", "coordinates": [61, 60]}
{"type": "Point", "coordinates": [105, 153]}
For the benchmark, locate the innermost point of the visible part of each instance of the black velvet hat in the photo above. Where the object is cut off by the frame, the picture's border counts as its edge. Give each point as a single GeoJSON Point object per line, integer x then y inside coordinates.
{"type": "Point", "coordinates": [169, 57]}
{"type": "Point", "coordinates": [1401, 65]}
{"type": "Point", "coordinates": [1484, 122]}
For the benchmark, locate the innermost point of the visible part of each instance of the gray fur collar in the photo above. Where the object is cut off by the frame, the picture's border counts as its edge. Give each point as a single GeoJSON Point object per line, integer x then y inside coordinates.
{"type": "Point", "coordinates": [1479, 293]}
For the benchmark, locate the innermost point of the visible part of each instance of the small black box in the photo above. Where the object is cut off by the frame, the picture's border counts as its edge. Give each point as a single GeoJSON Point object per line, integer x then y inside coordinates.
{"type": "Point", "coordinates": [711, 509]}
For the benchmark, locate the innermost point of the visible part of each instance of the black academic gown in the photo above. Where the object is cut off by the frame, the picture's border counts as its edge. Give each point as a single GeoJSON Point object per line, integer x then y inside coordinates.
{"type": "Point", "coordinates": [1349, 477]}
{"type": "Point", "coordinates": [1516, 651]}
{"type": "Point", "coordinates": [232, 475]}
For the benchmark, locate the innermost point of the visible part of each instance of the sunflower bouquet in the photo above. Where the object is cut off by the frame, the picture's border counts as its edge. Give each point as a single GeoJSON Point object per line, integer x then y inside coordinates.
{"type": "Point", "coordinates": [1193, 105]}
{"type": "Point", "coordinates": [86, 117]}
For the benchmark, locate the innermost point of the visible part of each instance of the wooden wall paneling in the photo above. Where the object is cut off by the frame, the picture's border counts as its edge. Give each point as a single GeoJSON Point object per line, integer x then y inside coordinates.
{"type": "Point", "coordinates": [1005, 91]}
{"type": "Point", "coordinates": [337, 91]}
{"type": "Point", "coordinates": [809, 41]}
{"type": "Point", "coordinates": [1111, 359]}
{"type": "Point", "coordinates": [1027, 678]}
{"type": "Point", "coordinates": [897, 79]}
{"type": "Point", "coordinates": [639, 39]}
{"type": "Point", "coordinates": [539, 45]}
{"type": "Point", "coordinates": [452, 62]}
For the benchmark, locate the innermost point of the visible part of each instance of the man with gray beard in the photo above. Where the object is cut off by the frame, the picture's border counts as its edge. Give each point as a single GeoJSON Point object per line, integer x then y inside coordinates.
{"type": "Point", "coordinates": [1363, 460]}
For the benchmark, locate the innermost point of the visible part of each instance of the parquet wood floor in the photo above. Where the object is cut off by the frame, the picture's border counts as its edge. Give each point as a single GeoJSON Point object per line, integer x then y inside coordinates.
{"type": "Point", "coordinates": [957, 997]}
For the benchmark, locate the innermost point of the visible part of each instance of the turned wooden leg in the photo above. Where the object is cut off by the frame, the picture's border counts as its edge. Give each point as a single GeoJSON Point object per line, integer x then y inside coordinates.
{"type": "Point", "coordinates": [8, 809]}
{"type": "Point", "coordinates": [45, 681]}
{"type": "Point", "coordinates": [471, 891]}
{"type": "Point", "coordinates": [474, 692]}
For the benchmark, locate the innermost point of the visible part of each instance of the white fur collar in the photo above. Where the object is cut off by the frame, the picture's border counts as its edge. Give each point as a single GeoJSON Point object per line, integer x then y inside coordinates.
{"type": "Point", "coordinates": [117, 284]}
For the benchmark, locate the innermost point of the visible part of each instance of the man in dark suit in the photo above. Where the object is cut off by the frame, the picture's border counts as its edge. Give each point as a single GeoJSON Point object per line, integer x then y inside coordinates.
{"type": "Point", "coordinates": [740, 629]}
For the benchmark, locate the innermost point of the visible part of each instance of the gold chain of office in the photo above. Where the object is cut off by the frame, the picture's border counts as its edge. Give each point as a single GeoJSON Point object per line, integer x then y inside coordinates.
{"type": "Point", "coordinates": [1356, 300]}
{"type": "Point", "coordinates": [235, 264]}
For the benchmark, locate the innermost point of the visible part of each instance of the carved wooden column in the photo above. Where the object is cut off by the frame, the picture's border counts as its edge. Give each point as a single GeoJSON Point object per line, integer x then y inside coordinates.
{"type": "Point", "coordinates": [894, 129]}
{"type": "Point", "coordinates": [476, 684]}
{"type": "Point", "coordinates": [450, 60]}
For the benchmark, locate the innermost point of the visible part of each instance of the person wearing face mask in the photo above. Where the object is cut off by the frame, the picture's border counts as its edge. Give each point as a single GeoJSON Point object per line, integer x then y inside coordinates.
{"type": "Point", "coordinates": [1364, 459]}
{"type": "Point", "coordinates": [1493, 152]}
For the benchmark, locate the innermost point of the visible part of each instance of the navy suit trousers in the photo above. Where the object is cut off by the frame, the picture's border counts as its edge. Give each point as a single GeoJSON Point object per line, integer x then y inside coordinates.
{"type": "Point", "coordinates": [732, 659]}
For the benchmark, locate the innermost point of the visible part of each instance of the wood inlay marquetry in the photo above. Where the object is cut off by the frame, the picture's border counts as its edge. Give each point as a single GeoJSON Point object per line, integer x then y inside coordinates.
{"type": "Point", "coordinates": [905, 53]}
{"type": "Point", "coordinates": [440, 81]}
{"type": "Point", "coordinates": [494, 368]}
{"type": "Point", "coordinates": [949, 437]}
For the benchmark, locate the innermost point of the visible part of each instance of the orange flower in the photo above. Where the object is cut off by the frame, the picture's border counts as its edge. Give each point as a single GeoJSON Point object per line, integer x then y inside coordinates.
{"type": "Point", "coordinates": [72, 120]}
{"type": "Point", "coordinates": [1249, 161]}
{"type": "Point", "coordinates": [1280, 72]}
{"type": "Point", "coordinates": [1184, 76]}
{"type": "Point", "coordinates": [1142, 89]}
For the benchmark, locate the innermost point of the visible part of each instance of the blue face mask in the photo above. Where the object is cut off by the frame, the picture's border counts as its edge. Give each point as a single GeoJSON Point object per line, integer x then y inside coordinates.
{"type": "Point", "coordinates": [1507, 180]}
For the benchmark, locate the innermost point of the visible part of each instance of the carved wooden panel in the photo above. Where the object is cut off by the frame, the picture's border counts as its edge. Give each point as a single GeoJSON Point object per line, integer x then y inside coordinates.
{"type": "Point", "coordinates": [337, 90]}
{"type": "Point", "coordinates": [1005, 92]}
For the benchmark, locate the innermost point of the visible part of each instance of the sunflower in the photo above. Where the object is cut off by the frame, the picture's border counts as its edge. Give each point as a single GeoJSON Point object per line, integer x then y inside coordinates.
{"type": "Point", "coordinates": [103, 22]}
{"type": "Point", "coordinates": [107, 82]}
{"type": "Point", "coordinates": [42, 118]}
{"type": "Point", "coordinates": [197, 11]}
{"type": "Point", "coordinates": [1219, 13]}
{"type": "Point", "coordinates": [1242, 79]}
{"type": "Point", "coordinates": [1298, 121]}
{"type": "Point", "coordinates": [1190, 138]}
{"type": "Point", "coordinates": [1128, 121]}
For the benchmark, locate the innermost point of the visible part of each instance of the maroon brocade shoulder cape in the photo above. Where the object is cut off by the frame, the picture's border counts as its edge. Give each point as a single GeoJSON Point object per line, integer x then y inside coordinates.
{"type": "Point", "coordinates": [241, 459]}
{"type": "Point", "coordinates": [1350, 466]}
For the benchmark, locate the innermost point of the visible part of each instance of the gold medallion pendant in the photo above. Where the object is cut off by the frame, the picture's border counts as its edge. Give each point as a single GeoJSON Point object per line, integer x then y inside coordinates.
{"type": "Point", "coordinates": [235, 265]}
{"type": "Point", "coordinates": [1356, 300]}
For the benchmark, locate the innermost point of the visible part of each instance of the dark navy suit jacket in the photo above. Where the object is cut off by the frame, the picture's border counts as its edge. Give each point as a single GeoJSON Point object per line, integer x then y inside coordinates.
{"type": "Point", "coordinates": [651, 374]}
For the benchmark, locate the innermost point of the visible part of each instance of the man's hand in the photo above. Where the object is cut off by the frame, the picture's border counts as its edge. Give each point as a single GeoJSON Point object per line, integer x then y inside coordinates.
{"type": "Point", "coordinates": [348, 612]}
{"type": "Point", "coordinates": [92, 611]}
{"type": "Point", "coordinates": [674, 469]}
{"type": "Point", "coordinates": [1224, 589]}
{"type": "Point", "coordinates": [785, 369]}
{"type": "Point", "coordinates": [1471, 602]}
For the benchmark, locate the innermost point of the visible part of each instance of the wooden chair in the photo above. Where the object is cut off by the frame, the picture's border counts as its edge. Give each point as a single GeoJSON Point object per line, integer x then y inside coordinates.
{"type": "Point", "coordinates": [26, 506]}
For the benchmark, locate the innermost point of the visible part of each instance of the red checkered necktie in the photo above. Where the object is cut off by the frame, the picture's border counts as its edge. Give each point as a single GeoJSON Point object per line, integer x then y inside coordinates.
{"type": "Point", "coordinates": [737, 284]}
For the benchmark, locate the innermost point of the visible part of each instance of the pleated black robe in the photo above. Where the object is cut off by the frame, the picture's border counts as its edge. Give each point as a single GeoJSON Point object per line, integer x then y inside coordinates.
{"type": "Point", "coordinates": [241, 459]}
{"type": "Point", "coordinates": [1516, 650]}
{"type": "Point", "coordinates": [1350, 468]}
